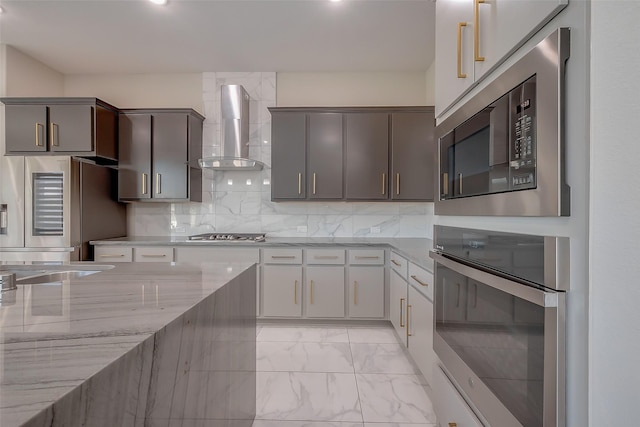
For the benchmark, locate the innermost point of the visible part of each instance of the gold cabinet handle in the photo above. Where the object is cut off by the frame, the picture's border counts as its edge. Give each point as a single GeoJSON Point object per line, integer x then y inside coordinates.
{"type": "Point", "coordinates": [295, 292]}
{"type": "Point", "coordinates": [153, 255]}
{"type": "Point", "coordinates": [144, 183]}
{"type": "Point", "coordinates": [158, 183]}
{"type": "Point", "coordinates": [453, 424]}
{"type": "Point", "coordinates": [397, 184]}
{"type": "Point", "coordinates": [283, 257]}
{"type": "Point", "coordinates": [314, 183]}
{"type": "Point", "coordinates": [461, 75]}
{"type": "Point", "coordinates": [445, 183]}
{"type": "Point", "coordinates": [112, 256]}
{"type": "Point", "coordinates": [367, 257]}
{"type": "Point", "coordinates": [401, 310]}
{"type": "Point", "coordinates": [409, 334]}
{"type": "Point", "coordinates": [418, 280]}
{"type": "Point", "coordinates": [38, 127]}
{"type": "Point", "coordinates": [396, 262]}
{"type": "Point", "coordinates": [460, 182]}
{"type": "Point", "coordinates": [299, 183]}
{"type": "Point", "coordinates": [476, 31]}
{"type": "Point", "coordinates": [325, 256]}
{"type": "Point", "coordinates": [54, 142]}
{"type": "Point", "coordinates": [355, 293]}
{"type": "Point", "coordinates": [311, 292]}
{"type": "Point", "coordinates": [384, 184]}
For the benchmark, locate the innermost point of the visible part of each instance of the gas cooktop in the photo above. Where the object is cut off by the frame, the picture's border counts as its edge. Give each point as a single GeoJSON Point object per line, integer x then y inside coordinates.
{"type": "Point", "coordinates": [230, 237]}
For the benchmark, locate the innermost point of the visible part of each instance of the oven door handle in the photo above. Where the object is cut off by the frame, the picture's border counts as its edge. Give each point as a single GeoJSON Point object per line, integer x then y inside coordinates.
{"type": "Point", "coordinates": [528, 293]}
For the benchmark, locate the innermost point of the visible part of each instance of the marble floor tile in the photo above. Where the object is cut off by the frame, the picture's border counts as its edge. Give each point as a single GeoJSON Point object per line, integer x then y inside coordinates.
{"type": "Point", "coordinates": [379, 335]}
{"type": "Point", "coordinates": [302, 334]}
{"type": "Point", "coordinates": [394, 398]}
{"type": "Point", "coordinates": [279, 423]}
{"type": "Point", "coordinates": [304, 356]}
{"type": "Point", "coordinates": [381, 359]}
{"type": "Point", "coordinates": [307, 396]}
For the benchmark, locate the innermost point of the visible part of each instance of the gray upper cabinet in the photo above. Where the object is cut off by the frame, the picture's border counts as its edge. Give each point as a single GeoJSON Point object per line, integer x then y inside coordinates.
{"type": "Point", "coordinates": [412, 155]}
{"type": "Point", "coordinates": [288, 155]}
{"type": "Point", "coordinates": [367, 156]}
{"type": "Point", "coordinates": [325, 156]}
{"type": "Point", "coordinates": [84, 127]}
{"type": "Point", "coordinates": [157, 151]}
{"type": "Point", "coordinates": [352, 153]}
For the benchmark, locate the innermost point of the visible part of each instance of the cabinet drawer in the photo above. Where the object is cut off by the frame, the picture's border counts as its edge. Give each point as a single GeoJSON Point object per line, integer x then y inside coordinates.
{"type": "Point", "coordinates": [366, 257]}
{"type": "Point", "coordinates": [153, 254]}
{"type": "Point", "coordinates": [449, 406]}
{"type": "Point", "coordinates": [208, 254]}
{"type": "Point", "coordinates": [113, 254]}
{"type": "Point", "coordinates": [325, 256]}
{"type": "Point", "coordinates": [282, 256]}
{"type": "Point", "coordinates": [399, 264]}
{"type": "Point", "coordinates": [422, 280]}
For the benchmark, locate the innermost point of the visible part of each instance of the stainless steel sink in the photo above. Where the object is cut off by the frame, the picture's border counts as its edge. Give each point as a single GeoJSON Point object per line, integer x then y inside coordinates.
{"type": "Point", "coordinates": [35, 274]}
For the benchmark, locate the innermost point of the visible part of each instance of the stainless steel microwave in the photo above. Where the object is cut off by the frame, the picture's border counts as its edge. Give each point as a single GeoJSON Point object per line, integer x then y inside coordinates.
{"type": "Point", "coordinates": [502, 152]}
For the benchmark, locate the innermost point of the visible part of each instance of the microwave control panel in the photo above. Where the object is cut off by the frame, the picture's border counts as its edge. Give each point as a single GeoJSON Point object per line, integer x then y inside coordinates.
{"type": "Point", "coordinates": [523, 135]}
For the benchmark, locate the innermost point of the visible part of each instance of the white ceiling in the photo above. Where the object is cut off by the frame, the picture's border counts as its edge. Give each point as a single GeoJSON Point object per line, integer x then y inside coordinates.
{"type": "Point", "coordinates": [137, 36]}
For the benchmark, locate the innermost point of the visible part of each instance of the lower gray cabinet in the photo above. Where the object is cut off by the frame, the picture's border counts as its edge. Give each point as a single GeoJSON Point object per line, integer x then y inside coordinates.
{"type": "Point", "coordinates": [324, 293]}
{"type": "Point", "coordinates": [420, 332]}
{"type": "Point", "coordinates": [398, 305]}
{"type": "Point", "coordinates": [281, 291]}
{"type": "Point", "coordinates": [366, 292]}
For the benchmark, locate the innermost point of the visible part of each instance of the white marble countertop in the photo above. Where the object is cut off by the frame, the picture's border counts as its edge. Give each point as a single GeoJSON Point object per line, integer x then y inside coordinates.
{"type": "Point", "coordinates": [415, 249]}
{"type": "Point", "coordinates": [53, 337]}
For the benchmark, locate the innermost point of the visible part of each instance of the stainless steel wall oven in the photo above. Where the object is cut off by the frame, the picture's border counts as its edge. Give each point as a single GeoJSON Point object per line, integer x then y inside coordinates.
{"type": "Point", "coordinates": [501, 153]}
{"type": "Point", "coordinates": [500, 322]}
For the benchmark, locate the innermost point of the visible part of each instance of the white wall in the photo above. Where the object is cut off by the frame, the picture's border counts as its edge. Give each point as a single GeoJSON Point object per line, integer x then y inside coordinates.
{"type": "Point", "coordinates": [430, 83]}
{"type": "Point", "coordinates": [140, 90]}
{"type": "Point", "coordinates": [26, 76]}
{"type": "Point", "coordinates": [576, 226]}
{"type": "Point", "coordinates": [615, 221]}
{"type": "Point", "coordinates": [351, 89]}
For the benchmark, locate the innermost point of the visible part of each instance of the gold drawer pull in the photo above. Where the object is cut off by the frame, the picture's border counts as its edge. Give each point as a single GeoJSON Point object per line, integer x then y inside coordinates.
{"type": "Point", "coordinates": [409, 334]}
{"type": "Point", "coordinates": [401, 310]}
{"type": "Point", "coordinates": [295, 292]}
{"type": "Point", "coordinates": [311, 293]}
{"type": "Point", "coordinates": [283, 256]}
{"type": "Point", "coordinates": [112, 256]}
{"type": "Point", "coordinates": [453, 424]}
{"type": "Point", "coordinates": [325, 256]}
{"type": "Point", "coordinates": [418, 280]}
{"type": "Point", "coordinates": [154, 255]}
{"type": "Point", "coordinates": [367, 257]}
{"type": "Point", "coordinates": [396, 263]}
{"type": "Point", "coordinates": [355, 293]}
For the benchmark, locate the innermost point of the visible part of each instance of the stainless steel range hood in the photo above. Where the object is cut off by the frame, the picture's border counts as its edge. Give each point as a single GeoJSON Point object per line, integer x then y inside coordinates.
{"type": "Point", "coordinates": [235, 133]}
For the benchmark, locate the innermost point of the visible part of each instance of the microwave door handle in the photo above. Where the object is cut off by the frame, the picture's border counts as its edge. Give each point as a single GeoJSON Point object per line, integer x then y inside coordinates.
{"type": "Point", "coordinates": [528, 293]}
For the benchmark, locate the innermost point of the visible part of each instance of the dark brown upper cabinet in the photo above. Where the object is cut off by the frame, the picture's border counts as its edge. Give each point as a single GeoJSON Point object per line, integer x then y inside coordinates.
{"type": "Point", "coordinates": [159, 149]}
{"type": "Point", "coordinates": [352, 153]}
{"type": "Point", "coordinates": [412, 155]}
{"type": "Point", "coordinates": [367, 156]}
{"type": "Point", "coordinates": [84, 127]}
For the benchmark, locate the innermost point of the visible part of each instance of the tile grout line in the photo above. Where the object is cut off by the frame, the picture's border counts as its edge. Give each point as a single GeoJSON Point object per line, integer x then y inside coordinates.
{"type": "Point", "coordinates": [355, 377]}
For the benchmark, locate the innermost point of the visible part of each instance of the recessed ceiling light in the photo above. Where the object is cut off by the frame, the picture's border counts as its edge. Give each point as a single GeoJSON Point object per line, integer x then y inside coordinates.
{"type": "Point", "coordinates": [160, 2]}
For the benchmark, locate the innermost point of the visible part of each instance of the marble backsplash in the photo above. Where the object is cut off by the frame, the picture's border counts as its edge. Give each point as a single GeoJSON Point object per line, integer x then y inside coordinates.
{"type": "Point", "coordinates": [240, 201]}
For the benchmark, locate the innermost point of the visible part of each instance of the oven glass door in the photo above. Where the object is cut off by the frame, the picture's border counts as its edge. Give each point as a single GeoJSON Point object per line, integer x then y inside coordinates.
{"type": "Point", "coordinates": [499, 336]}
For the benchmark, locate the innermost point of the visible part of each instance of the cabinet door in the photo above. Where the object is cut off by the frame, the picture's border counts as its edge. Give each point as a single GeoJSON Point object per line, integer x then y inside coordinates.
{"type": "Point", "coordinates": [288, 155]}
{"type": "Point", "coordinates": [453, 79]}
{"type": "Point", "coordinates": [170, 156]}
{"type": "Point", "coordinates": [398, 304]}
{"type": "Point", "coordinates": [366, 292]}
{"type": "Point", "coordinates": [325, 156]}
{"type": "Point", "coordinates": [412, 156]}
{"type": "Point", "coordinates": [420, 332]}
{"type": "Point", "coordinates": [281, 291]}
{"type": "Point", "coordinates": [367, 155]}
{"type": "Point", "coordinates": [134, 167]}
{"type": "Point", "coordinates": [504, 25]}
{"type": "Point", "coordinates": [325, 292]}
{"type": "Point", "coordinates": [26, 128]}
{"type": "Point", "coordinates": [71, 128]}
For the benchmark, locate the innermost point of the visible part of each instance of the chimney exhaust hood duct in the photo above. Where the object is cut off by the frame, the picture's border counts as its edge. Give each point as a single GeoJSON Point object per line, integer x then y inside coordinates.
{"type": "Point", "coordinates": [235, 133]}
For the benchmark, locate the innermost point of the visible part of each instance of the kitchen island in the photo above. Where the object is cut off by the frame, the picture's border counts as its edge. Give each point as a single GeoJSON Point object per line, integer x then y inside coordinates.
{"type": "Point", "coordinates": [163, 344]}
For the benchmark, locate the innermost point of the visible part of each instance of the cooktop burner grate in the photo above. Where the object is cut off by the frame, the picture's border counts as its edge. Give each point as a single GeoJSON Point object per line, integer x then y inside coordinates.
{"type": "Point", "coordinates": [230, 237]}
